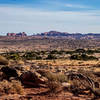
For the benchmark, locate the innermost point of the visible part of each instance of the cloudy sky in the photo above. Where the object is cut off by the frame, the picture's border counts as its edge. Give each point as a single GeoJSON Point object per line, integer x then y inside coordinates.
{"type": "Point", "coordinates": [35, 16]}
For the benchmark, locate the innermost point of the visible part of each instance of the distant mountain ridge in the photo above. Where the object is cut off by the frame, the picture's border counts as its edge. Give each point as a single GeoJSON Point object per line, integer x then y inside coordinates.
{"type": "Point", "coordinates": [59, 34]}
{"type": "Point", "coordinates": [66, 34]}
{"type": "Point", "coordinates": [50, 41]}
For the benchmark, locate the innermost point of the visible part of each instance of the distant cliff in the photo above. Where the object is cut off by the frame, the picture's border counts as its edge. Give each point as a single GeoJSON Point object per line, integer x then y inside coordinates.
{"type": "Point", "coordinates": [58, 34]}
{"type": "Point", "coordinates": [17, 34]}
{"type": "Point", "coordinates": [49, 41]}
{"type": "Point", "coordinates": [71, 35]}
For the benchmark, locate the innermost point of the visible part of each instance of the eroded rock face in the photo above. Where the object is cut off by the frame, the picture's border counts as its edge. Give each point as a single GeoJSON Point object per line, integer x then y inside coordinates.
{"type": "Point", "coordinates": [30, 78]}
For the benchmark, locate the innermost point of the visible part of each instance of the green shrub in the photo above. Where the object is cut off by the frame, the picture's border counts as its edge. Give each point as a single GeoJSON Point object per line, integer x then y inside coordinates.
{"type": "Point", "coordinates": [80, 51]}
{"type": "Point", "coordinates": [54, 52]}
{"type": "Point", "coordinates": [51, 56]}
{"type": "Point", "coordinates": [32, 56]}
{"type": "Point", "coordinates": [38, 57]}
{"type": "Point", "coordinates": [82, 57]}
{"type": "Point", "coordinates": [13, 56]}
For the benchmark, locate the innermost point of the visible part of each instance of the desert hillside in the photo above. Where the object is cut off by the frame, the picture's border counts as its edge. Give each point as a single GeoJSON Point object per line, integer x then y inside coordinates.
{"type": "Point", "coordinates": [46, 43]}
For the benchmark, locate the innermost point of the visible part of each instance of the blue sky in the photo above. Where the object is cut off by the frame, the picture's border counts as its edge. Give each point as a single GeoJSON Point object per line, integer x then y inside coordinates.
{"type": "Point", "coordinates": [35, 16]}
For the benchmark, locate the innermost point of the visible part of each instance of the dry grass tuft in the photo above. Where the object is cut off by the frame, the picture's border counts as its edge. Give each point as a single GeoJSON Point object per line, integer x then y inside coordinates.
{"type": "Point", "coordinates": [13, 87]}
{"type": "Point", "coordinates": [54, 87]}
{"type": "Point", "coordinates": [58, 77]}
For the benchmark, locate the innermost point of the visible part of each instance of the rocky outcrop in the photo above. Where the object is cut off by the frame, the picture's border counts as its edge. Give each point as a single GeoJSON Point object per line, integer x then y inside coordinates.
{"type": "Point", "coordinates": [54, 33]}
{"type": "Point", "coordinates": [34, 79]}
{"type": "Point", "coordinates": [17, 34]}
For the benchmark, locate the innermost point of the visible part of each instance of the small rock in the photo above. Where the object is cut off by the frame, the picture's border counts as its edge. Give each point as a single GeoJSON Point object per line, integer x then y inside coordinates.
{"type": "Point", "coordinates": [66, 85]}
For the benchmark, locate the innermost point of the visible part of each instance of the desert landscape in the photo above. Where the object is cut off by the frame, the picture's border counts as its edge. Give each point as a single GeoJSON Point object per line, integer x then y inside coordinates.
{"type": "Point", "coordinates": [49, 49]}
{"type": "Point", "coordinates": [52, 40]}
{"type": "Point", "coordinates": [45, 73]}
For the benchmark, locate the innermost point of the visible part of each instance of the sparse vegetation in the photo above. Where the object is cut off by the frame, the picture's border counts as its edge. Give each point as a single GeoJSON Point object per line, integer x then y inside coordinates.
{"type": "Point", "coordinates": [51, 56]}
{"type": "Point", "coordinates": [82, 57]}
{"type": "Point", "coordinates": [54, 86]}
{"type": "Point", "coordinates": [11, 87]}
{"type": "Point", "coordinates": [58, 77]}
{"type": "Point", "coordinates": [78, 54]}
{"type": "Point", "coordinates": [73, 70]}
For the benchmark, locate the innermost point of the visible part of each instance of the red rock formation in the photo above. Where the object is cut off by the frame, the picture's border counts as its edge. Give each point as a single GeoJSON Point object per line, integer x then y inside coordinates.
{"type": "Point", "coordinates": [17, 34]}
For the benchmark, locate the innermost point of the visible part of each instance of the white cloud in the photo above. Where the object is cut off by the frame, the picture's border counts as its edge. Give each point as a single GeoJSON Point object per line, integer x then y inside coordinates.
{"type": "Point", "coordinates": [18, 19]}
{"type": "Point", "coordinates": [76, 6]}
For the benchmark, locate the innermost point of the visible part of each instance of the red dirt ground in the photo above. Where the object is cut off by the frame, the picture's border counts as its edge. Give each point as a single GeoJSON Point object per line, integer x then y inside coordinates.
{"type": "Point", "coordinates": [43, 94]}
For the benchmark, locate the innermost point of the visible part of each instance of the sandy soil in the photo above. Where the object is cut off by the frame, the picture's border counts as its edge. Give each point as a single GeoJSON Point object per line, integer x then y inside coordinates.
{"type": "Point", "coordinates": [43, 94]}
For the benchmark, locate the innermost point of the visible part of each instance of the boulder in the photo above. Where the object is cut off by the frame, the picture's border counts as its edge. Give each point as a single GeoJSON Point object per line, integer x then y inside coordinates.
{"type": "Point", "coordinates": [30, 78]}
{"type": "Point", "coordinates": [3, 61]}
{"type": "Point", "coordinates": [66, 85]}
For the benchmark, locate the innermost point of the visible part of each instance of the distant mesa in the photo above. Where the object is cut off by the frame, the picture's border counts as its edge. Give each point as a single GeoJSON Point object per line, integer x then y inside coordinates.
{"type": "Point", "coordinates": [58, 34]}
{"type": "Point", "coordinates": [17, 34]}
{"type": "Point", "coordinates": [54, 33]}
{"type": "Point", "coordinates": [66, 34]}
